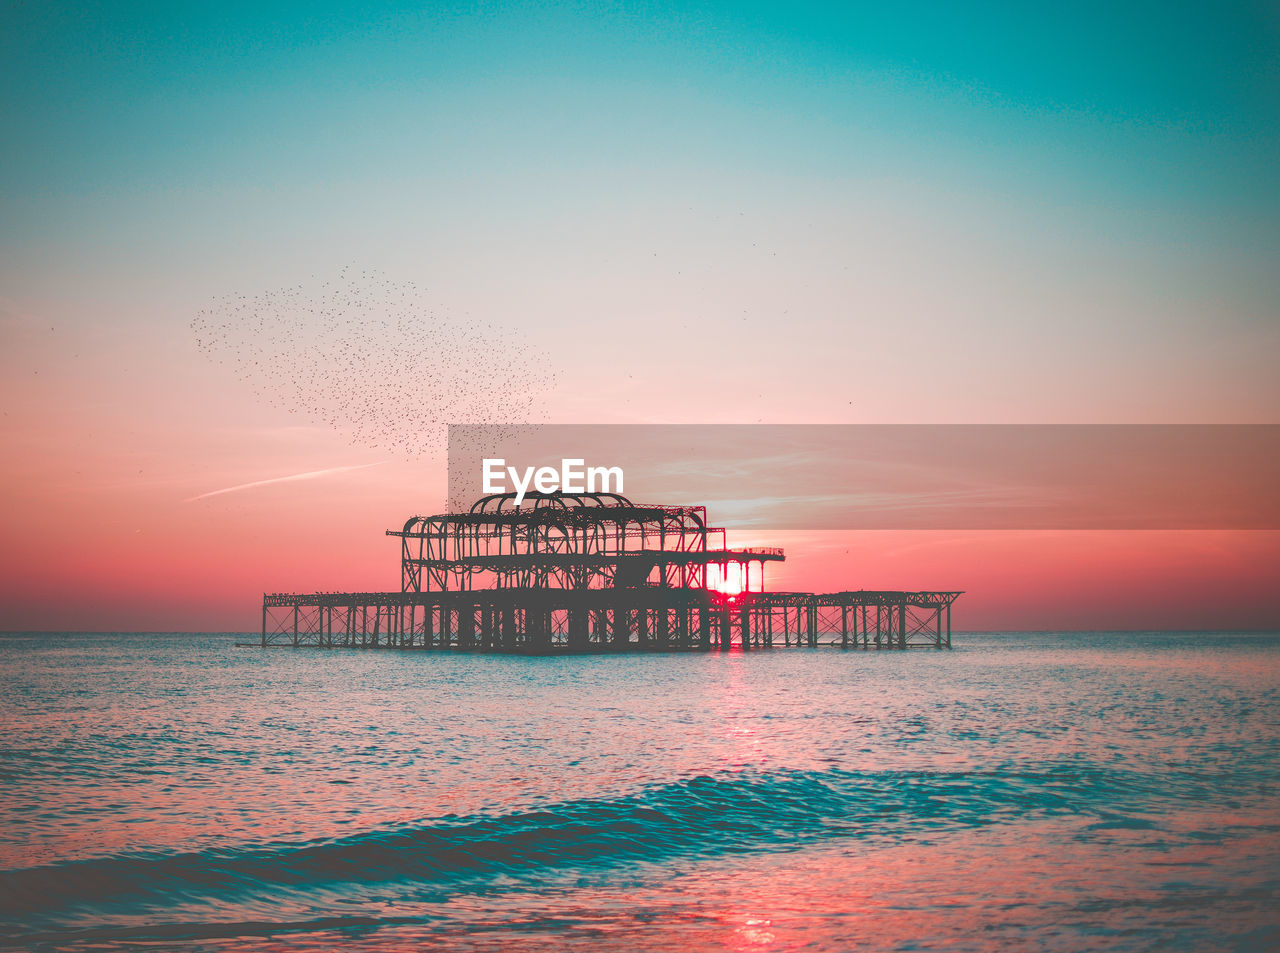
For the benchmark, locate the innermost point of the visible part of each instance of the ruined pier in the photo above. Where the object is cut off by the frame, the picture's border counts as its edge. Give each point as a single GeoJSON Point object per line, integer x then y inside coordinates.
{"type": "Point", "coordinates": [594, 573]}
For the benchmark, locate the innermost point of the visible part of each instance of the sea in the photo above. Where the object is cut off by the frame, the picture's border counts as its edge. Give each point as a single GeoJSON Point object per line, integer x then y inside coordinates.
{"type": "Point", "coordinates": [1047, 791]}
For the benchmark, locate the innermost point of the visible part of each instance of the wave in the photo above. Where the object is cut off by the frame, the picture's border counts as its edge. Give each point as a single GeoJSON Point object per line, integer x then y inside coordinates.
{"type": "Point", "coordinates": [215, 930]}
{"type": "Point", "coordinates": [694, 817]}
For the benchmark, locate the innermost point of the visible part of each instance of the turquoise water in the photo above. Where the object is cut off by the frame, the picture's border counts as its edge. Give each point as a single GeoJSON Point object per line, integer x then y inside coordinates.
{"type": "Point", "coordinates": [1025, 791]}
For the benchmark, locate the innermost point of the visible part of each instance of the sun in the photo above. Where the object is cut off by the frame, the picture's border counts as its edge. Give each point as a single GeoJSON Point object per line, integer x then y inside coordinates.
{"type": "Point", "coordinates": [726, 578]}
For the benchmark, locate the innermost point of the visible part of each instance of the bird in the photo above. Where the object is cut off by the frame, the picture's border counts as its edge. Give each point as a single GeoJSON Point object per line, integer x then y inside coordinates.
{"type": "Point", "coordinates": [375, 359]}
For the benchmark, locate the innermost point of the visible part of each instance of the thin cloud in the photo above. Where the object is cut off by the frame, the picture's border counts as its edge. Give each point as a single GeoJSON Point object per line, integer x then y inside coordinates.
{"type": "Point", "coordinates": [309, 475]}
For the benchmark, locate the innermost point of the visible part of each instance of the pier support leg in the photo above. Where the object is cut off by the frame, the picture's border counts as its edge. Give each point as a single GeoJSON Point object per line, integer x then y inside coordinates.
{"type": "Point", "coordinates": [509, 628]}
{"type": "Point", "coordinates": [621, 627]}
{"type": "Point", "coordinates": [466, 627]}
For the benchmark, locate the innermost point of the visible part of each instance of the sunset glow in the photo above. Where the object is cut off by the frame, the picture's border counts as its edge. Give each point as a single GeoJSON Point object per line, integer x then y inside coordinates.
{"type": "Point", "coordinates": [728, 578]}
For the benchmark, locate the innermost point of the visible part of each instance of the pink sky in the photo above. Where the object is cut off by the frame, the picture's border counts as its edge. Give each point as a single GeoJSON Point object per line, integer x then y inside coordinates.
{"type": "Point", "coordinates": [958, 311]}
{"type": "Point", "coordinates": [111, 433]}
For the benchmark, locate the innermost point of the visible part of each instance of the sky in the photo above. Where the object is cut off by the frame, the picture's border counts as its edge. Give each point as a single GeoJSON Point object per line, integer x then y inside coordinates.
{"type": "Point", "coordinates": [630, 213]}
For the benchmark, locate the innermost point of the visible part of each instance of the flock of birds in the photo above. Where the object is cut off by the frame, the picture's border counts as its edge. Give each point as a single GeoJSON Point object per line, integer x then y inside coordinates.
{"type": "Point", "coordinates": [373, 359]}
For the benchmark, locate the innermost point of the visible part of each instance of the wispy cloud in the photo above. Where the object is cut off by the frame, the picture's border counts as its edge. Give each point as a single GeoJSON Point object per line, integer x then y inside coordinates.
{"type": "Point", "coordinates": [309, 475]}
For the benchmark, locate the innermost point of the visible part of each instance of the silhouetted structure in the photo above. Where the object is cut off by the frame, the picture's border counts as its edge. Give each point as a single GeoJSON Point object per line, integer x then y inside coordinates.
{"type": "Point", "coordinates": [593, 573]}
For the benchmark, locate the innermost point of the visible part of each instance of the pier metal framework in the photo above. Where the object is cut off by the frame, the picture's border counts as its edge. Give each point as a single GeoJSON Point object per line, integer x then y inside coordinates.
{"type": "Point", "coordinates": [594, 573]}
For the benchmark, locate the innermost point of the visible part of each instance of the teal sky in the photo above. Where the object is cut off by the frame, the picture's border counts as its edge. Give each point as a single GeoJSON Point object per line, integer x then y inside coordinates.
{"type": "Point", "coordinates": [1015, 196]}
{"type": "Point", "coordinates": [477, 113]}
{"type": "Point", "coordinates": [1169, 104]}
